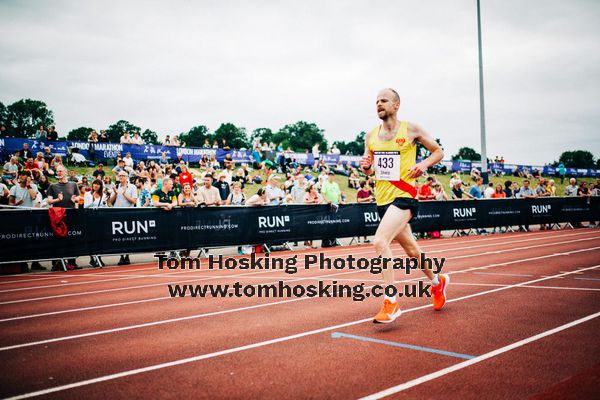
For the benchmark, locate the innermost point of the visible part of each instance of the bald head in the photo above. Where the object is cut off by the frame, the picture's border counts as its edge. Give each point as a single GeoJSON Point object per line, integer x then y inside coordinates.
{"type": "Point", "coordinates": [393, 93]}
{"type": "Point", "coordinates": [388, 103]}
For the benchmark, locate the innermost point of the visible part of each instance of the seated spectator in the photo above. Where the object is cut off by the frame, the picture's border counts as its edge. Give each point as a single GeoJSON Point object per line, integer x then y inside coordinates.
{"type": "Point", "coordinates": [165, 197]}
{"type": "Point", "coordinates": [108, 185]}
{"type": "Point", "coordinates": [166, 142]}
{"type": "Point", "coordinates": [525, 192]}
{"type": "Point", "coordinates": [25, 152]}
{"type": "Point", "coordinates": [152, 169]}
{"type": "Point", "coordinates": [48, 156]}
{"type": "Point", "coordinates": [93, 137]}
{"type": "Point", "coordinates": [259, 199]}
{"type": "Point", "coordinates": [32, 168]}
{"type": "Point", "coordinates": [84, 185]}
{"type": "Point", "coordinates": [498, 193]}
{"type": "Point", "coordinates": [119, 167]}
{"type": "Point", "coordinates": [52, 134]}
{"type": "Point", "coordinates": [41, 134]}
{"type": "Point", "coordinates": [354, 179]}
{"type": "Point", "coordinates": [24, 192]}
{"type": "Point", "coordinates": [458, 192]}
{"type": "Point", "coordinates": [140, 171]}
{"type": "Point", "coordinates": [99, 172]}
{"type": "Point", "coordinates": [41, 163]}
{"type": "Point", "coordinates": [215, 144]}
{"type": "Point", "coordinates": [438, 192]}
{"type": "Point", "coordinates": [203, 161]}
{"type": "Point", "coordinates": [240, 177]}
{"type": "Point", "coordinates": [175, 142]}
{"type": "Point", "coordinates": [185, 176]}
{"type": "Point", "coordinates": [10, 171]}
{"type": "Point", "coordinates": [571, 189]}
{"type": "Point", "coordinates": [96, 197]}
{"type": "Point", "coordinates": [475, 174]}
{"type": "Point", "coordinates": [187, 198]}
{"type": "Point", "coordinates": [236, 197]}
{"type": "Point", "coordinates": [208, 194]}
{"type": "Point", "coordinates": [129, 162]}
{"type": "Point", "coordinates": [224, 145]}
{"type": "Point", "coordinates": [206, 144]}
{"type": "Point", "coordinates": [164, 160]}
{"type": "Point", "coordinates": [126, 139]}
{"type": "Point", "coordinates": [454, 179]}
{"type": "Point", "coordinates": [137, 139]}
{"type": "Point", "coordinates": [223, 187]}
{"type": "Point", "coordinates": [228, 161]}
{"type": "Point", "coordinates": [103, 138]}
{"type": "Point", "coordinates": [56, 162]}
{"type": "Point", "coordinates": [72, 177]}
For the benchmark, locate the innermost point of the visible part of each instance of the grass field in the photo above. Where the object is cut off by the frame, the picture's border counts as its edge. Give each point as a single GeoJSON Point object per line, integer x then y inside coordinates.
{"type": "Point", "coordinates": [351, 193]}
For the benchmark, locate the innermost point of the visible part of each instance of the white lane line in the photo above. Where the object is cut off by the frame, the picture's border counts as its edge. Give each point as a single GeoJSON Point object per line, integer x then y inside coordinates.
{"type": "Point", "coordinates": [498, 274]}
{"type": "Point", "coordinates": [259, 344]}
{"type": "Point", "coordinates": [329, 253]}
{"type": "Point", "coordinates": [478, 359]}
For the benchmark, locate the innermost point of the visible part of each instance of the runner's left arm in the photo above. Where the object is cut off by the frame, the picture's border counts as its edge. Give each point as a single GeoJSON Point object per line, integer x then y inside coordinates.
{"type": "Point", "coordinates": [416, 133]}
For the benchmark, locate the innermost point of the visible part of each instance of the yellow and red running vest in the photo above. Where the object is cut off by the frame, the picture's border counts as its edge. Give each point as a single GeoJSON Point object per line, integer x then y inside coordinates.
{"type": "Point", "coordinates": [392, 159]}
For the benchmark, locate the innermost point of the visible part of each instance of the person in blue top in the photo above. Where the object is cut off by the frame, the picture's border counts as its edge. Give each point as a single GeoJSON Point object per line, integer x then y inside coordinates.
{"type": "Point", "coordinates": [562, 171]}
{"type": "Point", "coordinates": [477, 189]}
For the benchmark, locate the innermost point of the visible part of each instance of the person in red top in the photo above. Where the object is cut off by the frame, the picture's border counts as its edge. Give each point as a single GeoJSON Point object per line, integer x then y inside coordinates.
{"type": "Point", "coordinates": [185, 176]}
{"type": "Point", "coordinates": [425, 190]}
{"type": "Point", "coordinates": [32, 168]}
{"type": "Point", "coordinates": [499, 193]}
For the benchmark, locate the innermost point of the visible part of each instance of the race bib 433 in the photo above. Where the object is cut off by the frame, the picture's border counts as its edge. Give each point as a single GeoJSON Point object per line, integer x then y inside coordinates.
{"type": "Point", "coordinates": [387, 165]}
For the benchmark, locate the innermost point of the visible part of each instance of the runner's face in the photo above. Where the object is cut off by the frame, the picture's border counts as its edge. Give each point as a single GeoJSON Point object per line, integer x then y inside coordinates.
{"type": "Point", "coordinates": [386, 106]}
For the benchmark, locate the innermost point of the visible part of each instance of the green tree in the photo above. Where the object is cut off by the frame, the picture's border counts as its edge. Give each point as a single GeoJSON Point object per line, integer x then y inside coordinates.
{"type": "Point", "coordinates": [79, 134]}
{"type": "Point", "coordinates": [234, 136]}
{"type": "Point", "coordinates": [467, 153]}
{"type": "Point", "coordinates": [301, 136]}
{"type": "Point", "coordinates": [577, 159]}
{"type": "Point", "coordinates": [149, 137]}
{"type": "Point", "coordinates": [262, 134]}
{"type": "Point", "coordinates": [25, 117]}
{"type": "Point", "coordinates": [3, 114]}
{"type": "Point", "coordinates": [116, 130]}
{"type": "Point", "coordinates": [195, 137]}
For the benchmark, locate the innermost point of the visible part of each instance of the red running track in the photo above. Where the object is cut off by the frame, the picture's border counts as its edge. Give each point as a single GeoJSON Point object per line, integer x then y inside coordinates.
{"type": "Point", "coordinates": [523, 310]}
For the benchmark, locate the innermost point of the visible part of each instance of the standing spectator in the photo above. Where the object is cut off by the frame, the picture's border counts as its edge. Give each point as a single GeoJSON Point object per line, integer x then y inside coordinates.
{"type": "Point", "coordinates": [424, 193]}
{"type": "Point", "coordinates": [274, 194]}
{"type": "Point", "coordinates": [24, 192]}
{"type": "Point", "coordinates": [298, 189]}
{"type": "Point", "coordinates": [438, 192]}
{"type": "Point", "coordinates": [185, 176]}
{"type": "Point", "coordinates": [144, 197]}
{"type": "Point", "coordinates": [186, 198]}
{"type": "Point", "coordinates": [571, 189]}
{"type": "Point", "coordinates": [498, 193]}
{"type": "Point", "coordinates": [124, 195]}
{"type": "Point", "coordinates": [93, 137]}
{"type": "Point", "coordinates": [364, 196]}
{"type": "Point", "coordinates": [562, 171]}
{"type": "Point", "coordinates": [96, 197]}
{"type": "Point", "coordinates": [259, 199]}
{"type": "Point", "coordinates": [315, 154]}
{"type": "Point", "coordinates": [119, 168]}
{"type": "Point", "coordinates": [208, 194]}
{"type": "Point", "coordinates": [108, 185]}
{"type": "Point", "coordinates": [165, 197]}
{"type": "Point", "coordinates": [489, 191]}
{"type": "Point", "coordinates": [477, 189]}
{"type": "Point", "coordinates": [52, 134]}
{"type": "Point", "coordinates": [541, 191]}
{"type": "Point", "coordinates": [223, 187]}
{"type": "Point", "coordinates": [4, 194]}
{"type": "Point", "coordinates": [508, 189]}
{"type": "Point", "coordinates": [583, 189]}
{"type": "Point", "coordinates": [43, 185]}
{"type": "Point", "coordinates": [458, 192]}
{"type": "Point", "coordinates": [312, 197]}
{"type": "Point", "coordinates": [551, 188]}
{"type": "Point", "coordinates": [63, 194]}
{"type": "Point", "coordinates": [236, 197]}
{"type": "Point", "coordinates": [526, 192]}
{"type": "Point", "coordinates": [330, 190]}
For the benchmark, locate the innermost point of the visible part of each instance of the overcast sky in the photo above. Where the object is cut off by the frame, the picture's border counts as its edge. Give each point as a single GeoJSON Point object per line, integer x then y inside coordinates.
{"type": "Point", "coordinates": [169, 66]}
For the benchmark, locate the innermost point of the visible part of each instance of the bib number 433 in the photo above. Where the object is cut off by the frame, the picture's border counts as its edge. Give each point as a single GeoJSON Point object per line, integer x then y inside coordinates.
{"type": "Point", "coordinates": [387, 165]}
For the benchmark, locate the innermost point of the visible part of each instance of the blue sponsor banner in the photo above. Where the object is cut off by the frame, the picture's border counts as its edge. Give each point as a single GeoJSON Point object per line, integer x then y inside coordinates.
{"type": "Point", "coordinates": [109, 151]}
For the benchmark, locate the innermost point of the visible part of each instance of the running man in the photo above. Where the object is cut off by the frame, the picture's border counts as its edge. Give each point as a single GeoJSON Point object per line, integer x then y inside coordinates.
{"type": "Point", "coordinates": [390, 153]}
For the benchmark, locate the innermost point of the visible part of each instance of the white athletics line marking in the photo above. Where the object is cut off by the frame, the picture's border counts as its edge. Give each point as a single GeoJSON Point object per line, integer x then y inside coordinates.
{"type": "Point", "coordinates": [119, 276]}
{"type": "Point", "coordinates": [261, 344]}
{"type": "Point", "coordinates": [499, 274]}
{"type": "Point", "coordinates": [478, 359]}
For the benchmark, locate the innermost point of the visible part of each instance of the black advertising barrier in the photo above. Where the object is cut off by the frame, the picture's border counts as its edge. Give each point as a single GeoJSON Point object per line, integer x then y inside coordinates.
{"type": "Point", "coordinates": [27, 235]}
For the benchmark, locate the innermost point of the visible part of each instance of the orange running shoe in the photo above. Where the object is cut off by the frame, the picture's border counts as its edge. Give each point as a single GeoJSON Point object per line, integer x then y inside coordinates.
{"type": "Point", "coordinates": [439, 292]}
{"type": "Point", "coordinates": [388, 313]}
